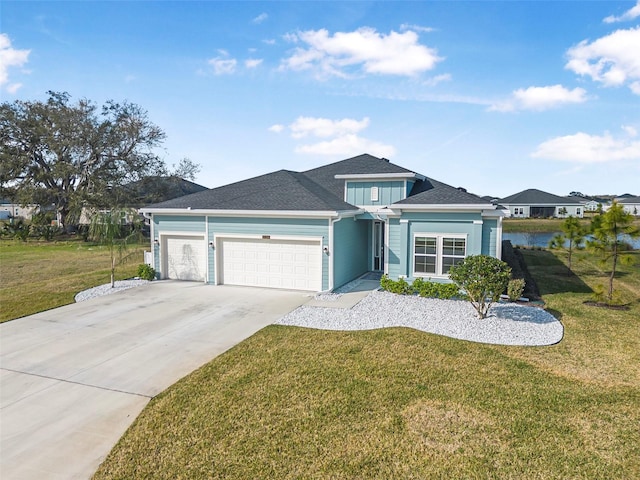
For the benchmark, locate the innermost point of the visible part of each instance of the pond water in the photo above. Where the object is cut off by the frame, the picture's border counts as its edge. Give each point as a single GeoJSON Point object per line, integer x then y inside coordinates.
{"type": "Point", "coordinates": [541, 239]}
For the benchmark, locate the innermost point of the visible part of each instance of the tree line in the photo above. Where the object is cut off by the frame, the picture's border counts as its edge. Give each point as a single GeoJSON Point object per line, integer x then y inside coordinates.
{"type": "Point", "coordinates": [75, 155]}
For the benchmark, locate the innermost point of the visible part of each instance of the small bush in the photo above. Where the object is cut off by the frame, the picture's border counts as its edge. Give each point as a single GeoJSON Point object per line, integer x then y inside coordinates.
{"type": "Point", "coordinates": [400, 286]}
{"type": "Point", "coordinates": [421, 287]}
{"type": "Point", "coordinates": [434, 289]}
{"type": "Point", "coordinates": [146, 272]}
{"type": "Point", "coordinates": [515, 288]}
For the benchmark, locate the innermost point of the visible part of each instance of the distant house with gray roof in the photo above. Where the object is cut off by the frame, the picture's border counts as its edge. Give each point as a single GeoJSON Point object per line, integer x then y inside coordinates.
{"type": "Point", "coordinates": [538, 204]}
{"type": "Point", "coordinates": [630, 204]}
{"type": "Point", "coordinates": [318, 229]}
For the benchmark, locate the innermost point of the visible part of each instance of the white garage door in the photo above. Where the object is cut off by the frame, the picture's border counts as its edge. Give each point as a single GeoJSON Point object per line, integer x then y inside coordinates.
{"type": "Point", "coordinates": [185, 258]}
{"type": "Point", "coordinates": [290, 264]}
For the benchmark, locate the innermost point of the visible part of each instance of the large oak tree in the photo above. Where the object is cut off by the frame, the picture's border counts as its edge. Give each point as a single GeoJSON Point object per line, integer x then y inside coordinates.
{"type": "Point", "coordinates": [75, 154]}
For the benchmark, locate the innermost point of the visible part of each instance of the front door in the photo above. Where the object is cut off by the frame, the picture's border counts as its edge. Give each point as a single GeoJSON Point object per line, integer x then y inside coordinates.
{"type": "Point", "coordinates": [378, 245]}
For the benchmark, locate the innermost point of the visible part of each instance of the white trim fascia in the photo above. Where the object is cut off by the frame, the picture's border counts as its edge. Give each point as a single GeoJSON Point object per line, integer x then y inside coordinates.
{"type": "Point", "coordinates": [378, 176]}
{"type": "Point", "coordinates": [251, 213]}
{"type": "Point", "coordinates": [385, 248]}
{"type": "Point", "coordinates": [499, 239]}
{"type": "Point", "coordinates": [431, 207]}
{"type": "Point", "coordinates": [152, 232]}
{"type": "Point", "coordinates": [496, 213]}
{"type": "Point", "coordinates": [332, 221]}
{"type": "Point", "coordinates": [206, 240]}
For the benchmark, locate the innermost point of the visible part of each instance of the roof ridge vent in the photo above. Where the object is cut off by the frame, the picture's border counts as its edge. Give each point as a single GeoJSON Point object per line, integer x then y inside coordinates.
{"type": "Point", "coordinates": [385, 159]}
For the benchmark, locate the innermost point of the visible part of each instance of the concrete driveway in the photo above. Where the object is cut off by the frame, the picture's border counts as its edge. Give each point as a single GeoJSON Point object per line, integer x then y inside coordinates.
{"type": "Point", "coordinates": [74, 378]}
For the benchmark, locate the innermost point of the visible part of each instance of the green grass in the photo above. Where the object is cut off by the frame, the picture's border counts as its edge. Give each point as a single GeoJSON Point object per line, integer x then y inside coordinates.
{"type": "Point", "coordinates": [542, 225]}
{"type": "Point", "coordinates": [397, 403]}
{"type": "Point", "coordinates": [37, 276]}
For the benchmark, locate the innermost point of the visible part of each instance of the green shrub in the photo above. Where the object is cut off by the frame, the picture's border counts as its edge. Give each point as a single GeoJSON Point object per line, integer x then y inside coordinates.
{"type": "Point", "coordinates": [483, 278]}
{"type": "Point", "coordinates": [400, 286]}
{"type": "Point", "coordinates": [435, 290]}
{"type": "Point", "coordinates": [146, 272]}
{"type": "Point", "coordinates": [421, 287]}
{"type": "Point", "coordinates": [515, 288]}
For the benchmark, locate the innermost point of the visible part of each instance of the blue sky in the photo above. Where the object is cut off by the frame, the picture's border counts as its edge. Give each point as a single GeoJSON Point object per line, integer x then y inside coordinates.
{"type": "Point", "coordinates": [495, 97]}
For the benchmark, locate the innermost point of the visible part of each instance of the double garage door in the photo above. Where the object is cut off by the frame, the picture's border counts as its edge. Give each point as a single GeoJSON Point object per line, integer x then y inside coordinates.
{"type": "Point", "coordinates": [257, 262]}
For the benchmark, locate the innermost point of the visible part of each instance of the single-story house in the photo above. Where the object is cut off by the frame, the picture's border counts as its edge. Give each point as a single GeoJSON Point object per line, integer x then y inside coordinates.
{"type": "Point", "coordinates": [17, 210]}
{"type": "Point", "coordinates": [538, 204]}
{"type": "Point", "coordinates": [318, 229]}
{"type": "Point", "coordinates": [630, 204]}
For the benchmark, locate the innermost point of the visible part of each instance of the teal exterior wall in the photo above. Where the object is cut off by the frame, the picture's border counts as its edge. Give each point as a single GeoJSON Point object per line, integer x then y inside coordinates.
{"type": "Point", "coordinates": [174, 223]}
{"type": "Point", "coordinates": [490, 236]}
{"type": "Point", "coordinates": [303, 227]}
{"type": "Point", "coordinates": [403, 229]}
{"type": "Point", "coordinates": [351, 253]}
{"type": "Point", "coordinates": [359, 193]}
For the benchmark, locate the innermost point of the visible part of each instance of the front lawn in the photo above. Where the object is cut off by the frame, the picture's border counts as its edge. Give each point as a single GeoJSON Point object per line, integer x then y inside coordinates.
{"type": "Point", "coordinates": [397, 403]}
{"type": "Point", "coordinates": [37, 276]}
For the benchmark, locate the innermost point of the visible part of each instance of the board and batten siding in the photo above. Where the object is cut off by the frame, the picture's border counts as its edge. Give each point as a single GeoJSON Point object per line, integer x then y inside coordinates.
{"type": "Point", "coordinates": [167, 224]}
{"type": "Point", "coordinates": [350, 254]}
{"type": "Point", "coordinates": [489, 236]}
{"type": "Point", "coordinates": [289, 227]}
{"type": "Point", "coordinates": [403, 230]}
{"type": "Point", "coordinates": [359, 193]}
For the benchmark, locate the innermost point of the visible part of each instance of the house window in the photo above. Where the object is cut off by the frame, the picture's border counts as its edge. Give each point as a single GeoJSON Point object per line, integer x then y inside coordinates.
{"type": "Point", "coordinates": [374, 194]}
{"type": "Point", "coordinates": [436, 254]}
{"type": "Point", "coordinates": [578, 211]}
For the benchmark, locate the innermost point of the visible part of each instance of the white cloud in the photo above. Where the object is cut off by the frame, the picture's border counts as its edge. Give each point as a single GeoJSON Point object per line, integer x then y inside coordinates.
{"type": "Point", "coordinates": [631, 14]}
{"type": "Point", "coordinates": [10, 57]}
{"type": "Point", "coordinates": [324, 127]}
{"type": "Point", "coordinates": [416, 28]}
{"type": "Point", "coordinates": [612, 60]}
{"type": "Point", "coordinates": [252, 62]}
{"type": "Point", "coordinates": [269, 41]}
{"type": "Point", "coordinates": [260, 18]}
{"type": "Point", "coordinates": [340, 137]}
{"type": "Point", "coordinates": [348, 145]}
{"type": "Point", "coordinates": [589, 149]}
{"type": "Point", "coordinates": [13, 88]}
{"type": "Point", "coordinates": [363, 50]}
{"type": "Point", "coordinates": [433, 81]}
{"type": "Point", "coordinates": [222, 65]}
{"type": "Point", "coordinates": [631, 131]}
{"type": "Point", "coordinates": [540, 98]}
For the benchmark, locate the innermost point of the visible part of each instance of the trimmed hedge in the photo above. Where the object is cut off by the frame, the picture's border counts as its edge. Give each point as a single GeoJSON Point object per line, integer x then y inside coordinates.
{"type": "Point", "coordinates": [421, 287]}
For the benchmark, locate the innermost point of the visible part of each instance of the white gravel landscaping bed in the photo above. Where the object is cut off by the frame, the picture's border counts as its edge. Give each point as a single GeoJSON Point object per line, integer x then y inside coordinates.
{"type": "Point", "coordinates": [507, 324]}
{"type": "Point", "coordinates": [107, 290]}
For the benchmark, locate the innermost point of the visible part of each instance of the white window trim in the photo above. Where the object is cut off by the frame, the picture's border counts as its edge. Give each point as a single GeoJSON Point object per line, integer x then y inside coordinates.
{"type": "Point", "coordinates": [439, 239]}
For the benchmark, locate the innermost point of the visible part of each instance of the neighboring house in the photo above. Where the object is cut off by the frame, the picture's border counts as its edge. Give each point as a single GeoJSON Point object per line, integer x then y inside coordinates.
{"type": "Point", "coordinates": [15, 210]}
{"type": "Point", "coordinates": [317, 230]}
{"type": "Point", "coordinates": [591, 206]}
{"type": "Point", "coordinates": [539, 204]}
{"type": "Point", "coordinates": [630, 204]}
{"type": "Point", "coordinates": [148, 190]}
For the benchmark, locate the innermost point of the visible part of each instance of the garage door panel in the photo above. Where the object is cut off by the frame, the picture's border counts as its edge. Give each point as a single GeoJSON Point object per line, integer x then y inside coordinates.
{"type": "Point", "coordinates": [291, 264]}
{"type": "Point", "coordinates": [185, 258]}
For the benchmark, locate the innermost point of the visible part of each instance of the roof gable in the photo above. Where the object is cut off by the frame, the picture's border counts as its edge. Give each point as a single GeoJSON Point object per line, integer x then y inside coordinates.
{"type": "Point", "coordinates": [281, 190]}
{"type": "Point", "coordinates": [533, 196]}
{"type": "Point", "coordinates": [362, 164]}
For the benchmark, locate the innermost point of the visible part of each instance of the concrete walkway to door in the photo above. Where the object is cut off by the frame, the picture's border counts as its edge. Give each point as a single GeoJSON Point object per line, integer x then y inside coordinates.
{"type": "Point", "coordinates": [74, 378]}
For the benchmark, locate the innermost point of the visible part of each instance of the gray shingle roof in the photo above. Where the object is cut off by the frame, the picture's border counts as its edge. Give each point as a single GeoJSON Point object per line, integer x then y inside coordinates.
{"type": "Point", "coordinates": [533, 196]}
{"type": "Point", "coordinates": [314, 190]}
{"type": "Point", "coordinates": [281, 190]}
{"type": "Point", "coordinates": [432, 192]}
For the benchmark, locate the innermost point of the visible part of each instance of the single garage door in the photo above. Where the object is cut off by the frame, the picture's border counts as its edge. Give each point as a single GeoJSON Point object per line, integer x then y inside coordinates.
{"type": "Point", "coordinates": [290, 264]}
{"type": "Point", "coordinates": [185, 258]}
